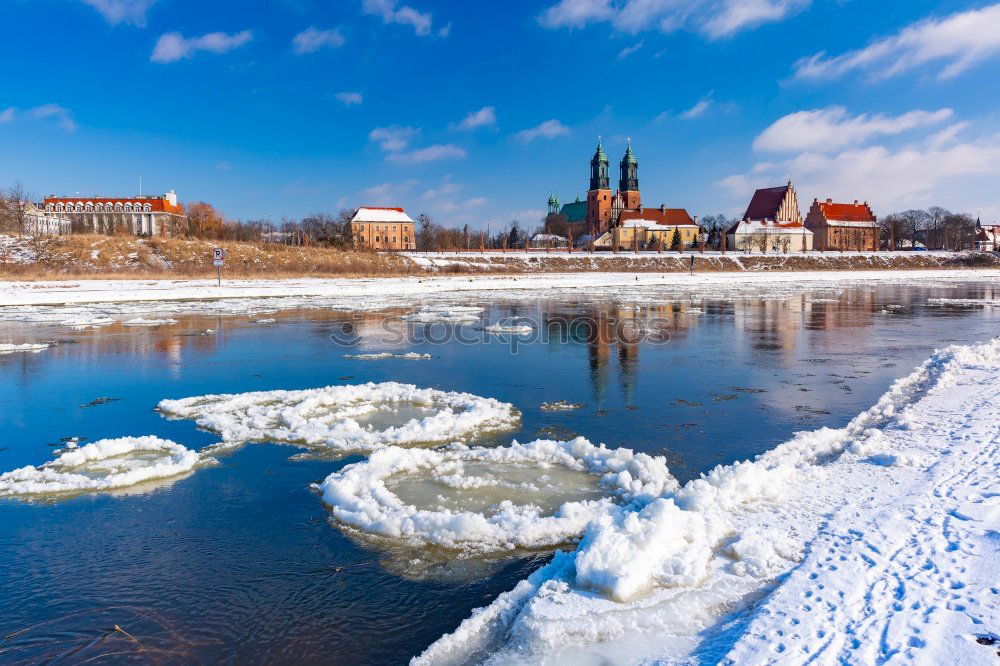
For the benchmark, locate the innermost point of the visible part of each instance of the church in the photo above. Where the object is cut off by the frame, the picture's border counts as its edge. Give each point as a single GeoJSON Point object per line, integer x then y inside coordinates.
{"type": "Point", "coordinates": [605, 210]}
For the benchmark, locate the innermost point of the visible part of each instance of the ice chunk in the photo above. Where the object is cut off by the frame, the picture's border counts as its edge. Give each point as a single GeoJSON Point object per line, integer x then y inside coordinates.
{"type": "Point", "coordinates": [455, 314]}
{"type": "Point", "coordinates": [347, 418]}
{"type": "Point", "coordinates": [34, 348]}
{"type": "Point", "coordinates": [560, 406]}
{"type": "Point", "coordinates": [509, 327]}
{"type": "Point", "coordinates": [140, 321]}
{"type": "Point", "coordinates": [409, 356]}
{"type": "Point", "coordinates": [488, 499]}
{"type": "Point", "coordinates": [107, 464]}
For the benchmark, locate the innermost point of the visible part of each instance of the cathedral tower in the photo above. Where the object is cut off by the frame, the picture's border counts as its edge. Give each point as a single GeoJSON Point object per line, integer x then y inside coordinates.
{"type": "Point", "coordinates": [599, 195]}
{"type": "Point", "coordinates": [628, 185]}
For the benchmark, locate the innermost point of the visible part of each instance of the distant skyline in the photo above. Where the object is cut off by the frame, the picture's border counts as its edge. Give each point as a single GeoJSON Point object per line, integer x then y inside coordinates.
{"type": "Point", "coordinates": [476, 112]}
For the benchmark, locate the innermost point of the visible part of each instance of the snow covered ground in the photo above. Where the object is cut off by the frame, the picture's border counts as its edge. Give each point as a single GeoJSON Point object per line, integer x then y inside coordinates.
{"type": "Point", "coordinates": [878, 542]}
{"type": "Point", "coordinates": [366, 293]}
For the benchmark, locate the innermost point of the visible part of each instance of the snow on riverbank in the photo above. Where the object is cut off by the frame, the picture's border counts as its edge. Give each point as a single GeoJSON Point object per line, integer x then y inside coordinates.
{"type": "Point", "coordinates": [358, 495]}
{"type": "Point", "coordinates": [855, 545]}
{"type": "Point", "coordinates": [362, 417]}
{"type": "Point", "coordinates": [357, 293]}
{"type": "Point", "coordinates": [107, 464]}
{"type": "Point", "coordinates": [380, 356]}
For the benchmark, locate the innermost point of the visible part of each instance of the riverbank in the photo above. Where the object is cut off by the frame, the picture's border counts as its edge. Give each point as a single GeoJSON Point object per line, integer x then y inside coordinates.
{"type": "Point", "coordinates": [126, 257]}
{"type": "Point", "coordinates": [852, 545]}
{"type": "Point", "coordinates": [356, 292]}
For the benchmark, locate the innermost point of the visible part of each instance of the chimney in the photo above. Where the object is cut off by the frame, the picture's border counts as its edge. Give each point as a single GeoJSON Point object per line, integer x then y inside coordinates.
{"type": "Point", "coordinates": [855, 202]}
{"type": "Point", "coordinates": [663, 208]}
{"type": "Point", "coordinates": [829, 201]}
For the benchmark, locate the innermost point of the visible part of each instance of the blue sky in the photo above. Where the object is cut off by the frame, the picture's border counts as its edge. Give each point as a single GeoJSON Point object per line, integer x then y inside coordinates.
{"type": "Point", "coordinates": [475, 111]}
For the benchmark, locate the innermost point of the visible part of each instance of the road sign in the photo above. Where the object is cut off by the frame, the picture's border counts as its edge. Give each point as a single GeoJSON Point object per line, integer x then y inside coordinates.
{"type": "Point", "coordinates": [219, 256]}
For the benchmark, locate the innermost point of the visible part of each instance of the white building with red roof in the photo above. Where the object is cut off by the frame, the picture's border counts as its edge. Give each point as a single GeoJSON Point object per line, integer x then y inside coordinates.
{"type": "Point", "coordinates": [142, 215]}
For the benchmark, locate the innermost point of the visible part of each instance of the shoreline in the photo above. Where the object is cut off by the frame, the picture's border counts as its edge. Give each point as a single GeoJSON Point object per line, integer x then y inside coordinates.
{"type": "Point", "coordinates": [83, 291]}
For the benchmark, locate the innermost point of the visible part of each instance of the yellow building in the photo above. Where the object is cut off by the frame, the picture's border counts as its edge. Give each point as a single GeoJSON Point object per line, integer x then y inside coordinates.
{"type": "Point", "coordinates": [650, 229]}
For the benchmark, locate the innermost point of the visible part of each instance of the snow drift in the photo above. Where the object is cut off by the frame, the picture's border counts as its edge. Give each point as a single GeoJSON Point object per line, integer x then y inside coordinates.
{"type": "Point", "coordinates": [106, 464]}
{"type": "Point", "coordinates": [677, 579]}
{"type": "Point", "coordinates": [360, 497]}
{"type": "Point", "coordinates": [360, 417]}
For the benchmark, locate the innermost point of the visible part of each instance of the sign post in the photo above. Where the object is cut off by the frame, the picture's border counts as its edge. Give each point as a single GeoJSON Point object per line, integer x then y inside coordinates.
{"type": "Point", "coordinates": [218, 255]}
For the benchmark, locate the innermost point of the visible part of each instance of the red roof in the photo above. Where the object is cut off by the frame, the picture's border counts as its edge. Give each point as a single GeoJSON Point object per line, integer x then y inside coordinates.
{"type": "Point", "coordinates": [765, 203]}
{"type": "Point", "coordinates": [854, 212]}
{"type": "Point", "coordinates": [156, 204]}
{"type": "Point", "coordinates": [667, 216]}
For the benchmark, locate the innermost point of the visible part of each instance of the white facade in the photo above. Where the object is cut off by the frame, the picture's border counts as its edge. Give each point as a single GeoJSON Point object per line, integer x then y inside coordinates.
{"type": "Point", "coordinates": [748, 235]}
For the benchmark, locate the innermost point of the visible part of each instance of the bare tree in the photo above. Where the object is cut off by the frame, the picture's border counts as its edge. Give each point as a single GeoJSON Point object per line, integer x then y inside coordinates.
{"type": "Point", "coordinates": [15, 200]}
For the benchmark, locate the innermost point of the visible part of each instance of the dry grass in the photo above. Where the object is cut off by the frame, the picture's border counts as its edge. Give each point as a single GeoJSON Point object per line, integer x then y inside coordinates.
{"type": "Point", "coordinates": [96, 256]}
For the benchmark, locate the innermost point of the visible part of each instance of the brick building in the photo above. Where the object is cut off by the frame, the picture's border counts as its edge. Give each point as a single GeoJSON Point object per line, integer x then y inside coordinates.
{"type": "Point", "coordinates": [843, 226]}
{"type": "Point", "coordinates": [383, 229]}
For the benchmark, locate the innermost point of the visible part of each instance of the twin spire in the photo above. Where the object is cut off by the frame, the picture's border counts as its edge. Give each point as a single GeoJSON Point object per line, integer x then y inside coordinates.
{"type": "Point", "coordinates": [629, 170]}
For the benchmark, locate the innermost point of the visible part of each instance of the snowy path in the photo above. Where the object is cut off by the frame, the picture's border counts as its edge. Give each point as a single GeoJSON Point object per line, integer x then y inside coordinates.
{"type": "Point", "coordinates": [361, 289]}
{"type": "Point", "coordinates": [877, 543]}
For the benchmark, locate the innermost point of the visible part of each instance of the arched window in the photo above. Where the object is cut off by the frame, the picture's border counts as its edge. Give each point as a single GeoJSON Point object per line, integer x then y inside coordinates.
{"type": "Point", "coordinates": [49, 207]}
{"type": "Point", "coordinates": [79, 208]}
{"type": "Point", "coordinates": [146, 208]}
{"type": "Point", "coordinates": [89, 207]}
{"type": "Point", "coordinates": [118, 207]}
{"type": "Point", "coordinates": [128, 208]}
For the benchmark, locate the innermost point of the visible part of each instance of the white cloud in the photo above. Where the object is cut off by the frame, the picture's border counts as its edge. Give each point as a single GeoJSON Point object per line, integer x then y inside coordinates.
{"type": "Point", "coordinates": [714, 18]}
{"type": "Point", "coordinates": [313, 39]}
{"type": "Point", "coordinates": [833, 128]}
{"type": "Point", "coordinates": [173, 46]}
{"type": "Point", "coordinates": [387, 194]}
{"type": "Point", "coordinates": [433, 153]}
{"type": "Point", "coordinates": [7, 115]}
{"type": "Point", "coordinates": [60, 114]}
{"type": "Point", "coordinates": [958, 42]}
{"type": "Point", "coordinates": [447, 200]}
{"type": "Point", "coordinates": [549, 129]}
{"type": "Point", "coordinates": [629, 50]}
{"type": "Point", "coordinates": [484, 117]}
{"type": "Point", "coordinates": [350, 98]}
{"type": "Point", "coordinates": [938, 169]}
{"type": "Point", "coordinates": [697, 110]}
{"type": "Point", "coordinates": [405, 15]}
{"type": "Point", "coordinates": [394, 137]}
{"type": "Point", "coordinates": [122, 11]}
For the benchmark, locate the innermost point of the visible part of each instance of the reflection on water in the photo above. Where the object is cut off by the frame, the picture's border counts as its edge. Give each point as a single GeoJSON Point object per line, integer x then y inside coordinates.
{"type": "Point", "coordinates": [239, 561]}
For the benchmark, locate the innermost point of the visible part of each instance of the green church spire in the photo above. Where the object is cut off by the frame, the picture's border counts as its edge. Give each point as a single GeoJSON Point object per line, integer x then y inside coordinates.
{"type": "Point", "coordinates": [599, 179]}
{"type": "Point", "coordinates": [629, 167]}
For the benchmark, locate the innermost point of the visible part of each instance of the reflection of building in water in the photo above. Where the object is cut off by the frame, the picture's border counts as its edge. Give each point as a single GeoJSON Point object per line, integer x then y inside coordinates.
{"type": "Point", "coordinates": [771, 324]}
{"type": "Point", "coordinates": [616, 331]}
{"type": "Point", "coordinates": [855, 309]}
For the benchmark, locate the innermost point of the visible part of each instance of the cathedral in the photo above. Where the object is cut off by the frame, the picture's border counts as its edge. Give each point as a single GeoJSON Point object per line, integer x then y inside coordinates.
{"type": "Point", "coordinates": [605, 210]}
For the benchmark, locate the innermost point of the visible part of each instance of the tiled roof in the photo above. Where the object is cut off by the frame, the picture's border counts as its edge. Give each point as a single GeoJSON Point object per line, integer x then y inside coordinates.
{"type": "Point", "coordinates": [668, 216]}
{"type": "Point", "coordinates": [765, 203]}
{"type": "Point", "coordinates": [844, 212]}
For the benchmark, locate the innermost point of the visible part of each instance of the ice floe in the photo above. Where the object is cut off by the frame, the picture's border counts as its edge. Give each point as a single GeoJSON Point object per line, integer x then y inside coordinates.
{"type": "Point", "coordinates": [378, 356]}
{"type": "Point", "coordinates": [34, 348]}
{"type": "Point", "coordinates": [360, 417]}
{"type": "Point", "coordinates": [448, 314]}
{"type": "Point", "coordinates": [509, 328]}
{"type": "Point", "coordinates": [560, 406]}
{"type": "Point", "coordinates": [107, 464]}
{"type": "Point", "coordinates": [491, 499]}
{"type": "Point", "coordinates": [140, 321]}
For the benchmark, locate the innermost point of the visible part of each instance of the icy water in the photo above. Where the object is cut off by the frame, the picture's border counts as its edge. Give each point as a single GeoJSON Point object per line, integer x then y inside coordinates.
{"type": "Point", "coordinates": [240, 562]}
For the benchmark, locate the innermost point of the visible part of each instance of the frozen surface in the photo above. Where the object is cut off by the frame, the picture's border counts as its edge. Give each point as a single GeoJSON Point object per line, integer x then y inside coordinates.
{"type": "Point", "coordinates": [872, 542]}
{"type": "Point", "coordinates": [10, 348]}
{"type": "Point", "coordinates": [379, 356]}
{"type": "Point", "coordinates": [366, 495]}
{"type": "Point", "coordinates": [510, 327]}
{"type": "Point", "coordinates": [140, 321]}
{"type": "Point", "coordinates": [107, 464]}
{"type": "Point", "coordinates": [362, 417]}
